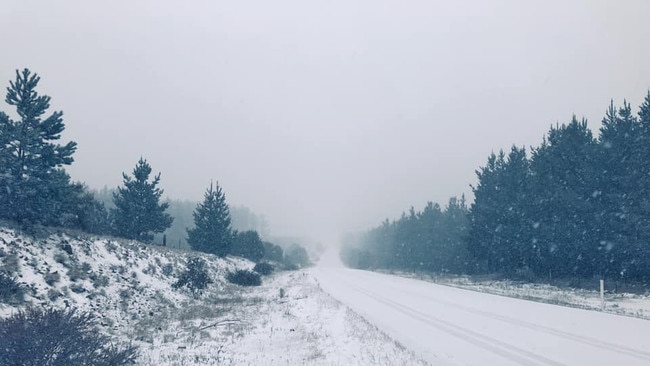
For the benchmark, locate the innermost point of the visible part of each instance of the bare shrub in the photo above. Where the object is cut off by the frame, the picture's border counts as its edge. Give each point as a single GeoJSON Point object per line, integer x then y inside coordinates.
{"type": "Point", "coordinates": [11, 291]}
{"type": "Point", "coordinates": [100, 280]}
{"type": "Point", "coordinates": [79, 272]}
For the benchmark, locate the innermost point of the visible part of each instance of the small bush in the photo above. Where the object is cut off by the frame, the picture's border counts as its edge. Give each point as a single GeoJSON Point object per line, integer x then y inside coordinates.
{"type": "Point", "coordinates": [53, 294]}
{"type": "Point", "coordinates": [296, 256]}
{"type": "Point", "coordinates": [195, 278]}
{"type": "Point", "coordinates": [100, 280]}
{"type": "Point", "coordinates": [79, 272]}
{"type": "Point", "coordinates": [61, 258]}
{"type": "Point", "coordinates": [12, 292]}
{"type": "Point", "coordinates": [244, 278]}
{"type": "Point", "coordinates": [77, 289]}
{"type": "Point", "coordinates": [150, 270]}
{"type": "Point", "coordinates": [57, 337]}
{"type": "Point", "coordinates": [263, 268]}
{"type": "Point", "coordinates": [167, 269]}
{"type": "Point", "coordinates": [125, 294]}
{"type": "Point", "coordinates": [52, 277]}
{"type": "Point", "coordinates": [33, 262]}
{"type": "Point", "coordinates": [10, 264]}
{"type": "Point", "coordinates": [111, 247]}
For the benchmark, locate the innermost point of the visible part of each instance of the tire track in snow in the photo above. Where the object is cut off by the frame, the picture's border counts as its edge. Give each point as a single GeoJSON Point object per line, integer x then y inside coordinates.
{"type": "Point", "coordinates": [636, 353]}
{"type": "Point", "coordinates": [503, 349]}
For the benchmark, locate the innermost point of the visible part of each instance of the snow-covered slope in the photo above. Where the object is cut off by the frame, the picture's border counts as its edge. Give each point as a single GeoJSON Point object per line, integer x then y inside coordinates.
{"type": "Point", "coordinates": [122, 282]}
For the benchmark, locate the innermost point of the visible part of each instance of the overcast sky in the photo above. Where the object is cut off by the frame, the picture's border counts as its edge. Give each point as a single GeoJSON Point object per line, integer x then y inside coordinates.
{"type": "Point", "coordinates": [324, 116]}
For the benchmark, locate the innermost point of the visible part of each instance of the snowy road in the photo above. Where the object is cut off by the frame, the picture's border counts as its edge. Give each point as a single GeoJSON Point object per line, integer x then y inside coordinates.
{"type": "Point", "coordinates": [450, 326]}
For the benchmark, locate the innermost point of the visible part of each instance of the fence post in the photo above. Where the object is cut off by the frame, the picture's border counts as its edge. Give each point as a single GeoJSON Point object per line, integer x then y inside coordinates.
{"type": "Point", "coordinates": [602, 294]}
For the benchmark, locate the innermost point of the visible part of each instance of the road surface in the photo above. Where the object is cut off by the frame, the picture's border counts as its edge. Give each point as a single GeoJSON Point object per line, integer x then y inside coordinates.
{"type": "Point", "coordinates": [450, 326]}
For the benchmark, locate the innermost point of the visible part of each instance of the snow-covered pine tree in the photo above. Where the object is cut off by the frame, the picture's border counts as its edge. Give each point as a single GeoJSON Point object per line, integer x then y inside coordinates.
{"type": "Point", "coordinates": [212, 232]}
{"type": "Point", "coordinates": [138, 212]}
{"type": "Point", "coordinates": [32, 180]}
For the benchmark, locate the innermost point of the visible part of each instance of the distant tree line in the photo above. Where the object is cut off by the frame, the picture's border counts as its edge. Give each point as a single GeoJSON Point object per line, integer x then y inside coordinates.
{"type": "Point", "coordinates": [578, 206]}
{"type": "Point", "coordinates": [36, 190]}
{"type": "Point", "coordinates": [433, 239]}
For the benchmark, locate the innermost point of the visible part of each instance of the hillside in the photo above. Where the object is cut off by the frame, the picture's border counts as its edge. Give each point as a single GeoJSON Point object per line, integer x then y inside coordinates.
{"type": "Point", "coordinates": [127, 286]}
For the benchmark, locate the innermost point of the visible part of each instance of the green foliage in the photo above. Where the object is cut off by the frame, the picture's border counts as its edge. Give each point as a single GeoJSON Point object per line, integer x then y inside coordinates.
{"type": "Point", "coordinates": [273, 252]}
{"type": "Point", "coordinates": [429, 240]}
{"type": "Point", "coordinates": [501, 198]}
{"type": "Point", "coordinates": [248, 245]}
{"type": "Point", "coordinates": [12, 292]}
{"type": "Point", "coordinates": [195, 278]}
{"type": "Point", "coordinates": [90, 214]}
{"type": "Point", "coordinates": [241, 219]}
{"type": "Point", "coordinates": [244, 278]}
{"type": "Point", "coordinates": [263, 268]}
{"type": "Point", "coordinates": [58, 337]}
{"type": "Point", "coordinates": [297, 256]}
{"type": "Point", "coordinates": [138, 212]}
{"type": "Point", "coordinates": [34, 188]}
{"type": "Point", "coordinates": [211, 232]}
{"type": "Point", "coordinates": [579, 207]}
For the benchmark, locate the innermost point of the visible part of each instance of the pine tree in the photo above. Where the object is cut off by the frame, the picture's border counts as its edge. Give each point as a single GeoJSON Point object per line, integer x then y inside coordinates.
{"type": "Point", "coordinates": [212, 232]}
{"type": "Point", "coordinates": [32, 180]}
{"type": "Point", "coordinates": [455, 233]}
{"type": "Point", "coordinates": [138, 212]}
{"type": "Point", "coordinates": [486, 211]}
{"type": "Point", "coordinates": [566, 181]}
{"type": "Point", "coordinates": [643, 195]}
{"type": "Point", "coordinates": [618, 195]}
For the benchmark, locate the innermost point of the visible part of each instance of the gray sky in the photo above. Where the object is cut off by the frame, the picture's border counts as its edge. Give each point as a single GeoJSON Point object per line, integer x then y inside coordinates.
{"type": "Point", "coordinates": [322, 115]}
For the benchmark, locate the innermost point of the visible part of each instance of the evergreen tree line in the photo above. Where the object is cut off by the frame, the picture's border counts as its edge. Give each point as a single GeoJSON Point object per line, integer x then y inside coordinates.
{"type": "Point", "coordinates": [433, 239]}
{"type": "Point", "coordinates": [35, 189]}
{"type": "Point", "coordinates": [576, 206]}
{"type": "Point", "coordinates": [242, 219]}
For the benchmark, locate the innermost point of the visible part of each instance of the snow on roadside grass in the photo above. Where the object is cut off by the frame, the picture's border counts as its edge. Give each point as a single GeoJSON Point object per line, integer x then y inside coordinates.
{"type": "Point", "coordinates": [308, 327]}
{"type": "Point", "coordinates": [616, 303]}
{"type": "Point", "coordinates": [288, 320]}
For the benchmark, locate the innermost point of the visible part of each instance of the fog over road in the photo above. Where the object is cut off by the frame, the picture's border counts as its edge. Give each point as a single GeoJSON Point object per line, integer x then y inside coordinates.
{"type": "Point", "coordinates": [450, 326]}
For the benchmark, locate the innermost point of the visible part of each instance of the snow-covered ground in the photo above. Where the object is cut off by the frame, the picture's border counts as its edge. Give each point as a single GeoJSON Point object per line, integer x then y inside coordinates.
{"type": "Point", "coordinates": [326, 315]}
{"type": "Point", "coordinates": [629, 304]}
{"type": "Point", "coordinates": [452, 326]}
{"type": "Point", "coordinates": [288, 320]}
